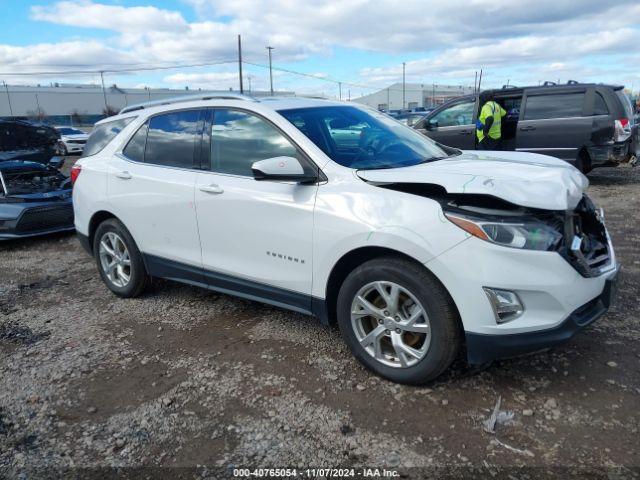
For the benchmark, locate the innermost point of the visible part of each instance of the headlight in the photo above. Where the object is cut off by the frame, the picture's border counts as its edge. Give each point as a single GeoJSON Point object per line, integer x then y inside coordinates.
{"type": "Point", "coordinates": [516, 233]}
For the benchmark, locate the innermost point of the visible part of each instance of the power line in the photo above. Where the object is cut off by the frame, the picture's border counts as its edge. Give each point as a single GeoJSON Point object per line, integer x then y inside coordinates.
{"type": "Point", "coordinates": [113, 70]}
{"type": "Point", "coordinates": [335, 81]}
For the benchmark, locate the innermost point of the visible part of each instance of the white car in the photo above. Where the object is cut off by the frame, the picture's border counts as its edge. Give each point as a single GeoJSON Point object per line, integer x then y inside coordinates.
{"type": "Point", "coordinates": [414, 249]}
{"type": "Point", "coordinates": [72, 140]}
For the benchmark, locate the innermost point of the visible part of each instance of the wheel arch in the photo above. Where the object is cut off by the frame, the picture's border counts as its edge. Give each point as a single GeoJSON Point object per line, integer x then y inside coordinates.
{"type": "Point", "coordinates": [96, 219]}
{"type": "Point", "coordinates": [351, 260]}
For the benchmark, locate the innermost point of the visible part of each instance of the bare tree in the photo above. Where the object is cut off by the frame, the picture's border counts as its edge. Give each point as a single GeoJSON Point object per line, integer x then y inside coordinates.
{"type": "Point", "coordinates": [108, 111]}
{"type": "Point", "coordinates": [76, 116]}
{"type": "Point", "coordinates": [39, 114]}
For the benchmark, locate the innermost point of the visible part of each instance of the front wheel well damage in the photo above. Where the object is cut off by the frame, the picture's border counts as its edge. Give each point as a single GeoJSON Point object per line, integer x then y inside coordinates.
{"type": "Point", "coordinates": [349, 262]}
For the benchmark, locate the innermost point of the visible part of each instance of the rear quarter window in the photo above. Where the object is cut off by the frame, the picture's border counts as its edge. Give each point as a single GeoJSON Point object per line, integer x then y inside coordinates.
{"type": "Point", "coordinates": [554, 106]}
{"type": "Point", "coordinates": [626, 104]}
{"type": "Point", "coordinates": [103, 134]}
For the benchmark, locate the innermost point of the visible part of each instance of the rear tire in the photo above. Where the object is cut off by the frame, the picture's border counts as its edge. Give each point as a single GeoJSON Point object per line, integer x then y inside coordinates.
{"type": "Point", "coordinates": [389, 281]}
{"type": "Point", "coordinates": [583, 162]}
{"type": "Point", "coordinates": [118, 259]}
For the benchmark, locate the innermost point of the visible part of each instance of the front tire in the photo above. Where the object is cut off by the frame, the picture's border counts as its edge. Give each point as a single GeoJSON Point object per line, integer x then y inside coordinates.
{"type": "Point", "coordinates": [398, 320]}
{"type": "Point", "coordinates": [118, 259]}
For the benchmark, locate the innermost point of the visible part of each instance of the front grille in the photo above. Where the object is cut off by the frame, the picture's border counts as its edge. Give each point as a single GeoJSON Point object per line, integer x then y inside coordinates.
{"type": "Point", "coordinates": [592, 254]}
{"type": "Point", "coordinates": [45, 218]}
{"type": "Point", "coordinates": [79, 142]}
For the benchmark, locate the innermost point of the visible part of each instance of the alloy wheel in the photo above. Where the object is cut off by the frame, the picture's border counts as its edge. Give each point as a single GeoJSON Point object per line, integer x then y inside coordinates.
{"type": "Point", "coordinates": [390, 324]}
{"type": "Point", "coordinates": [115, 259]}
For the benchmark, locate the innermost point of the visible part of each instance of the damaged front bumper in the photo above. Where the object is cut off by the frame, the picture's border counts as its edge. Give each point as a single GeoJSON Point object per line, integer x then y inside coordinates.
{"type": "Point", "coordinates": [483, 348]}
{"type": "Point", "coordinates": [29, 219]}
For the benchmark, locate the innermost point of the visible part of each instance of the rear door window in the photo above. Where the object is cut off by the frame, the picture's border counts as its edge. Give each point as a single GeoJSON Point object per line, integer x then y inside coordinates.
{"type": "Point", "coordinates": [171, 139]}
{"type": "Point", "coordinates": [554, 106]}
{"type": "Point", "coordinates": [103, 134]}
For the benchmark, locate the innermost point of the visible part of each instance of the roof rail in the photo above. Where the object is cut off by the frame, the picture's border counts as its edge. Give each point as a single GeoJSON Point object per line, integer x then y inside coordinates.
{"type": "Point", "coordinates": [572, 82]}
{"type": "Point", "coordinates": [187, 98]}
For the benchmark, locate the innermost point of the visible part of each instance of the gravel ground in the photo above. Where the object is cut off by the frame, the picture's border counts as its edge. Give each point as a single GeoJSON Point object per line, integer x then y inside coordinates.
{"type": "Point", "coordinates": [183, 377]}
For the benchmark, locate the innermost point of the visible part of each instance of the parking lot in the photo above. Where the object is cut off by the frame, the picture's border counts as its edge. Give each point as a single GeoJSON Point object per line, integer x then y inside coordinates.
{"type": "Point", "coordinates": [183, 377]}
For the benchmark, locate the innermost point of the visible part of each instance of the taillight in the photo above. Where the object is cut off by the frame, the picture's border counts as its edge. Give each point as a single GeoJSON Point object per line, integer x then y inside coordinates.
{"type": "Point", "coordinates": [622, 130]}
{"type": "Point", "coordinates": [75, 173]}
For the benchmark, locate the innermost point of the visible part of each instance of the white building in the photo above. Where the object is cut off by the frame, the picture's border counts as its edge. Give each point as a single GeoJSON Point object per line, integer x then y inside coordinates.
{"type": "Point", "coordinates": [59, 103]}
{"type": "Point", "coordinates": [415, 95]}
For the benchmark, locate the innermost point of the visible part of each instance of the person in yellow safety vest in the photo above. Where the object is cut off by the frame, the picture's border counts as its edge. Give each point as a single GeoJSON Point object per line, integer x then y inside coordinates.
{"type": "Point", "coordinates": [489, 125]}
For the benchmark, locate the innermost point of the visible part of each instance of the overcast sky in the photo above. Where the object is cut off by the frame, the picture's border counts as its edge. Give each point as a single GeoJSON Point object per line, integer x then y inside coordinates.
{"type": "Point", "coordinates": [360, 42]}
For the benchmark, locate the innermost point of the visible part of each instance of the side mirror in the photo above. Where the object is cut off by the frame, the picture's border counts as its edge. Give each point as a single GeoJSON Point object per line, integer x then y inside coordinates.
{"type": "Point", "coordinates": [282, 169]}
{"type": "Point", "coordinates": [431, 124]}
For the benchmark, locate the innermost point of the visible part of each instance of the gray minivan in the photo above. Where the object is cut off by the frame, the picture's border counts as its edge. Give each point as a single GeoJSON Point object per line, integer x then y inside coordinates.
{"type": "Point", "coordinates": [588, 125]}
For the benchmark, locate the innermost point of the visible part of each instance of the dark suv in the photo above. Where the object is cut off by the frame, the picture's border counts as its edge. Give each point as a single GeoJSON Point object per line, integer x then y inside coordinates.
{"type": "Point", "coordinates": [588, 125]}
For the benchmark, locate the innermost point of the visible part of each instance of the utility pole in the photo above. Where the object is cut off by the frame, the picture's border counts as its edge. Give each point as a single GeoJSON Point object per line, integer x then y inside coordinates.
{"type": "Point", "coordinates": [388, 100]}
{"type": "Point", "coordinates": [8, 97]}
{"type": "Point", "coordinates": [340, 90]}
{"type": "Point", "coordinates": [38, 109]}
{"type": "Point", "coordinates": [104, 93]}
{"type": "Point", "coordinates": [349, 93]}
{"type": "Point", "coordinates": [475, 83]}
{"type": "Point", "coordinates": [249, 78]}
{"type": "Point", "coordinates": [240, 63]}
{"type": "Point", "coordinates": [270, 70]}
{"type": "Point", "coordinates": [480, 80]}
{"type": "Point", "coordinates": [403, 85]}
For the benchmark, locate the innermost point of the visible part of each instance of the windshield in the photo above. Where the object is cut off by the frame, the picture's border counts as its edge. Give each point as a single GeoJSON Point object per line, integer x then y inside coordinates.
{"type": "Point", "coordinates": [69, 131]}
{"type": "Point", "coordinates": [362, 139]}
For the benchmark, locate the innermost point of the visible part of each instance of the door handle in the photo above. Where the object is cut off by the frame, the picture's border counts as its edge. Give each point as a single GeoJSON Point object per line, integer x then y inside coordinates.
{"type": "Point", "coordinates": [213, 188]}
{"type": "Point", "coordinates": [124, 175]}
{"type": "Point", "coordinates": [464, 132]}
{"type": "Point", "coordinates": [527, 128]}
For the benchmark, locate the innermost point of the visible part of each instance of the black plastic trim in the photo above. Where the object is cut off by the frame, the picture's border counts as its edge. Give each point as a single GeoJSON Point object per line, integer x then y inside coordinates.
{"type": "Point", "coordinates": [220, 282]}
{"type": "Point", "coordinates": [485, 348]}
{"type": "Point", "coordinates": [84, 241]}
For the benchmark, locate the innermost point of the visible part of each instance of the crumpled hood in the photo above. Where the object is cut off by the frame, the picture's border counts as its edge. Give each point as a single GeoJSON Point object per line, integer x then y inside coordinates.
{"type": "Point", "coordinates": [525, 179]}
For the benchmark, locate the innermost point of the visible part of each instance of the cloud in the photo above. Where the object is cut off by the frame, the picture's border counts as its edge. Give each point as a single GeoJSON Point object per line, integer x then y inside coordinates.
{"type": "Point", "coordinates": [87, 14]}
{"type": "Point", "coordinates": [208, 80]}
{"type": "Point", "coordinates": [447, 40]}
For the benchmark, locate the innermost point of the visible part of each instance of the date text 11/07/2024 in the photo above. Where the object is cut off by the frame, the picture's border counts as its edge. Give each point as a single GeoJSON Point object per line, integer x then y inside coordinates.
{"type": "Point", "coordinates": [316, 472]}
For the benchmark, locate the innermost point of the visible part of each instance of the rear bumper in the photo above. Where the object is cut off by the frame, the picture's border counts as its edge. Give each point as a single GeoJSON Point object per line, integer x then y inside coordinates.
{"type": "Point", "coordinates": [483, 348]}
{"type": "Point", "coordinates": [611, 155]}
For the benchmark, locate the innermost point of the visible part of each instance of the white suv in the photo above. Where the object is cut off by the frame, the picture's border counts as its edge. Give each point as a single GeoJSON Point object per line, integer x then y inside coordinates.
{"type": "Point", "coordinates": [338, 211]}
